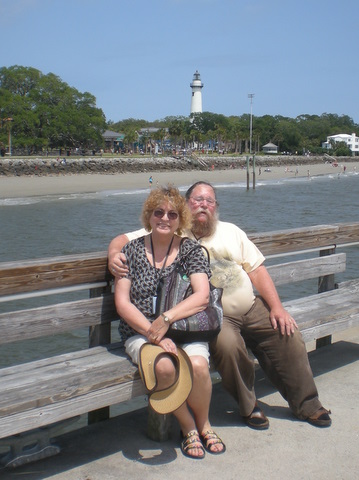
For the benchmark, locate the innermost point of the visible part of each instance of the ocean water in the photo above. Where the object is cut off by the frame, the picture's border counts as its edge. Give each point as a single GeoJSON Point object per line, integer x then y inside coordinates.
{"type": "Point", "coordinates": [41, 226]}
{"type": "Point", "coordinates": [46, 226]}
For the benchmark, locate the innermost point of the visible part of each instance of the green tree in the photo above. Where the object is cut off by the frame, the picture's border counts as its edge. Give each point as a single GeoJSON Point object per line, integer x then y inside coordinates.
{"type": "Point", "coordinates": [129, 124]}
{"type": "Point", "coordinates": [131, 138]}
{"type": "Point", "coordinates": [178, 129]}
{"type": "Point", "coordinates": [47, 112]}
{"type": "Point", "coordinates": [160, 135]}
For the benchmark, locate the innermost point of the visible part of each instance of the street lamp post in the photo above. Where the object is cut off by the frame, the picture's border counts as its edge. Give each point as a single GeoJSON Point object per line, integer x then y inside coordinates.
{"type": "Point", "coordinates": [8, 121]}
{"type": "Point", "coordinates": [250, 95]}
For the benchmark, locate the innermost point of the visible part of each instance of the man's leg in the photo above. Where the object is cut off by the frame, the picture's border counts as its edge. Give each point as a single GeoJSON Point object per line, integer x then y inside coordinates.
{"type": "Point", "coordinates": [236, 368]}
{"type": "Point", "coordinates": [284, 359]}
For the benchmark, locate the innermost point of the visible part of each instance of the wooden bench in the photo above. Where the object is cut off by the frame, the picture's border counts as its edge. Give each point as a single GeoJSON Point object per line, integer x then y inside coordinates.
{"type": "Point", "coordinates": [36, 395]}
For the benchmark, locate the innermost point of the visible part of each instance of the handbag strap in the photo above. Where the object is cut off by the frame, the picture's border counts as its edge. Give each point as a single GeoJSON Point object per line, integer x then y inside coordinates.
{"type": "Point", "coordinates": [194, 248]}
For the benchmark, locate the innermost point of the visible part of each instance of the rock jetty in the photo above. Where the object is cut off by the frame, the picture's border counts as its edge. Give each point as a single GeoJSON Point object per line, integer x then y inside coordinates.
{"type": "Point", "coordinates": [42, 166]}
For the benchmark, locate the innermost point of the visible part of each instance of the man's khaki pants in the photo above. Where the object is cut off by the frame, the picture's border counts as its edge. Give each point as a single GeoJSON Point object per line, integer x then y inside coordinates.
{"type": "Point", "coordinates": [283, 358]}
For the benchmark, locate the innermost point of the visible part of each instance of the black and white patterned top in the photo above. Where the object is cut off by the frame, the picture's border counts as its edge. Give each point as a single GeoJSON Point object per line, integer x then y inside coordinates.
{"type": "Point", "coordinates": [144, 277]}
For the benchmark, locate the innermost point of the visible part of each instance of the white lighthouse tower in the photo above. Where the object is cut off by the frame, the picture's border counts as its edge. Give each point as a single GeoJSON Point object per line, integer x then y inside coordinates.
{"type": "Point", "coordinates": [196, 85]}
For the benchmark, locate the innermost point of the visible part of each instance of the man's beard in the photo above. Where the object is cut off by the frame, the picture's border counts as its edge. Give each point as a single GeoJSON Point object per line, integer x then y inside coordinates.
{"type": "Point", "coordinates": [206, 228]}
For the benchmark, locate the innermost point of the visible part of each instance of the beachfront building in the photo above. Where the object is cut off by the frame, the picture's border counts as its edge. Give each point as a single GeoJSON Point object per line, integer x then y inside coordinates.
{"type": "Point", "coordinates": [270, 148]}
{"type": "Point", "coordinates": [113, 141]}
{"type": "Point", "coordinates": [352, 142]}
{"type": "Point", "coordinates": [153, 139]}
{"type": "Point", "coordinates": [196, 86]}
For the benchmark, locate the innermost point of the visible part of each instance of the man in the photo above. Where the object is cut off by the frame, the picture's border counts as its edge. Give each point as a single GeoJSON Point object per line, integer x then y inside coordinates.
{"type": "Point", "coordinates": [260, 323]}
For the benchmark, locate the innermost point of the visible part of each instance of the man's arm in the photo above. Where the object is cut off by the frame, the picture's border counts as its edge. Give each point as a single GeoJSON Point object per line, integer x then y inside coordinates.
{"type": "Point", "coordinates": [263, 283]}
{"type": "Point", "coordinates": [116, 259]}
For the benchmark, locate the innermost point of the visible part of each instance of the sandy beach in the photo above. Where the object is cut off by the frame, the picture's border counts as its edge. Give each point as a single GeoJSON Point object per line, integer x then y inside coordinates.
{"type": "Point", "coordinates": [27, 186]}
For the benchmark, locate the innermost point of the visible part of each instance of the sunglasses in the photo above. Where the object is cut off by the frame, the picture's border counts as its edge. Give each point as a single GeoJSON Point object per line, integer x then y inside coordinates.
{"type": "Point", "coordinates": [171, 215]}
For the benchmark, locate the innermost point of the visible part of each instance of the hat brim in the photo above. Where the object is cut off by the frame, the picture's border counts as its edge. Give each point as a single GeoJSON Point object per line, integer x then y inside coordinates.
{"type": "Point", "coordinates": [170, 399]}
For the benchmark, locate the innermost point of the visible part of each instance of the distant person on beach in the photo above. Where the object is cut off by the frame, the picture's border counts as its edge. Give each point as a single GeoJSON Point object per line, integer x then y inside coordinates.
{"type": "Point", "coordinates": [150, 180]}
{"type": "Point", "coordinates": [164, 215]}
{"type": "Point", "coordinates": [257, 322]}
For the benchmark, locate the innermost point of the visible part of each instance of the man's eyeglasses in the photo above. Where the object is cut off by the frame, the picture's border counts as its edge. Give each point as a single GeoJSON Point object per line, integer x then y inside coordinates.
{"type": "Point", "coordinates": [209, 200]}
{"type": "Point", "coordinates": [171, 215]}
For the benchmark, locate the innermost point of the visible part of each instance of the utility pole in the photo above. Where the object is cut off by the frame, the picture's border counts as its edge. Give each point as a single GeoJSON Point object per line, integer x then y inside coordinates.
{"type": "Point", "coordinates": [8, 123]}
{"type": "Point", "coordinates": [250, 95]}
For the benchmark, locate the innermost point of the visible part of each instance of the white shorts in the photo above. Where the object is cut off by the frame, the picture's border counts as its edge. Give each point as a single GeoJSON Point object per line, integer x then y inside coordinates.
{"type": "Point", "coordinates": [133, 345]}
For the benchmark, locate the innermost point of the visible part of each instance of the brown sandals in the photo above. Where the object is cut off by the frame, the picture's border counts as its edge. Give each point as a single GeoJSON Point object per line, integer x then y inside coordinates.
{"type": "Point", "coordinates": [209, 440]}
{"type": "Point", "coordinates": [320, 418]}
{"type": "Point", "coordinates": [190, 442]}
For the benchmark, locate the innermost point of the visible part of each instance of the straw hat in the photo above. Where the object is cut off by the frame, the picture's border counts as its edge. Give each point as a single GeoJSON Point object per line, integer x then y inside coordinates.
{"type": "Point", "coordinates": [171, 398]}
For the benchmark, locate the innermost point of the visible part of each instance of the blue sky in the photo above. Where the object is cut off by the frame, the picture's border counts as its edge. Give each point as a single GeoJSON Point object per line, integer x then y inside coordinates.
{"type": "Point", "coordinates": [138, 57]}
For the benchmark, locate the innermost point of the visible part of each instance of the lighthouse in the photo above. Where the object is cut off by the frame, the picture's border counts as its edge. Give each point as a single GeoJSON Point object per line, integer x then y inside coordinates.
{"type": "Point", "coordinates": [196, 85]}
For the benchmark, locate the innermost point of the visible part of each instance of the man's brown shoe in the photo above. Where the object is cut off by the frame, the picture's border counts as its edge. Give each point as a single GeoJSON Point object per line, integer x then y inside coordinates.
{"type": "Point", "coordinates": [257, 419]}
{"type": "Point", "coordinates": [320, 418]}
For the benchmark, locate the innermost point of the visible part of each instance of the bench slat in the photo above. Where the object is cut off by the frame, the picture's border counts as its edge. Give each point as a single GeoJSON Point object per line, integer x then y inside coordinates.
{"type": "Point", "coordinates": [62, 410]}
{"type": "Point", "coordinates": [54, 319]}
{"type": "Point", "coordinates": [67, 366]}
{"type": "Point", "coordinates": [85, 354]}
{"type": "Point", "coordinates": [46, 391]}
{"type": "Point", "coordinates": [304, 269]}
{"type": "Point", "coordinates": [325, 313]}
{"type": "Point", "coordinates": [42, 274]}
{"type": "Point", "coordinates": [291, 240]}
{"type": "Point", "coordinates": [66, 377]}
{"type": "Point", "coordinates": [350, 284]}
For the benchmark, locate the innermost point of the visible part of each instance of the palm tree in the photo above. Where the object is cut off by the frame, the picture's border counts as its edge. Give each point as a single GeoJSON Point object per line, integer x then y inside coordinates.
{"type": "Point", "coordinates": [131, 138]}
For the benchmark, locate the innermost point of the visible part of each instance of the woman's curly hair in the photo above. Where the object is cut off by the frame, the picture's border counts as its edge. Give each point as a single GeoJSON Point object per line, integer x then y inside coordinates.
{"type": "Point", "coordinates": [171, 195]}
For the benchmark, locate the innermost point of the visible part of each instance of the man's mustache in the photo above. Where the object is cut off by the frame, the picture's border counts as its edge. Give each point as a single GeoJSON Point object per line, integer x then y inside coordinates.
{"type": "Point", "coordinates": [200, 210]}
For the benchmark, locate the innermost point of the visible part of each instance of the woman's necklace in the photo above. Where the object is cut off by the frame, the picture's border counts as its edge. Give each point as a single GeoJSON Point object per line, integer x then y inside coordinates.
{"type": "Point", "coordinates": [166, 257]}
{"type": "Point", "coordinates": [154, 298]}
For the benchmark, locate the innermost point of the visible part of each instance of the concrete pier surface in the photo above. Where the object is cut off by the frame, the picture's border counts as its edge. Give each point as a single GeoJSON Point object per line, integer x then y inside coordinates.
{"type": "Point", "coordinates": [289, 449]}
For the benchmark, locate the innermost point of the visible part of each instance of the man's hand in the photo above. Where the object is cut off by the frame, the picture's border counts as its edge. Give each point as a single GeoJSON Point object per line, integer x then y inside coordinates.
{"type": "Point", "coordinates": [117, 265]}
{"type": "Point", "coordinates": [279, 317]}
{"type": "Point", "coordinates": [117, 260]}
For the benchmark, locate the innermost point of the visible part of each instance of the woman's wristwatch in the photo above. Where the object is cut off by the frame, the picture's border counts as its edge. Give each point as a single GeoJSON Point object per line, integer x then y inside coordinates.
{"type": "Point", "coordinates": [166, 319]}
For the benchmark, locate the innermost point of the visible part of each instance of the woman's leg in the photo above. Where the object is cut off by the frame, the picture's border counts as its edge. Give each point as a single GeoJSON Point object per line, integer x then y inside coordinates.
{"type": "Point", "coordinates": [166, 376]}
{"type": "Point", "coordinates": [199, 401]}
{"type": "Point", "coordinates": [200, 396]}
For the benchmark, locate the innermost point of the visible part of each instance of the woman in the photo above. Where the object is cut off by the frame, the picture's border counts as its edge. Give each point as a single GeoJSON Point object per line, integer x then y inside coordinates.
{"type": "Point", "coordinates": [165, 214]}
